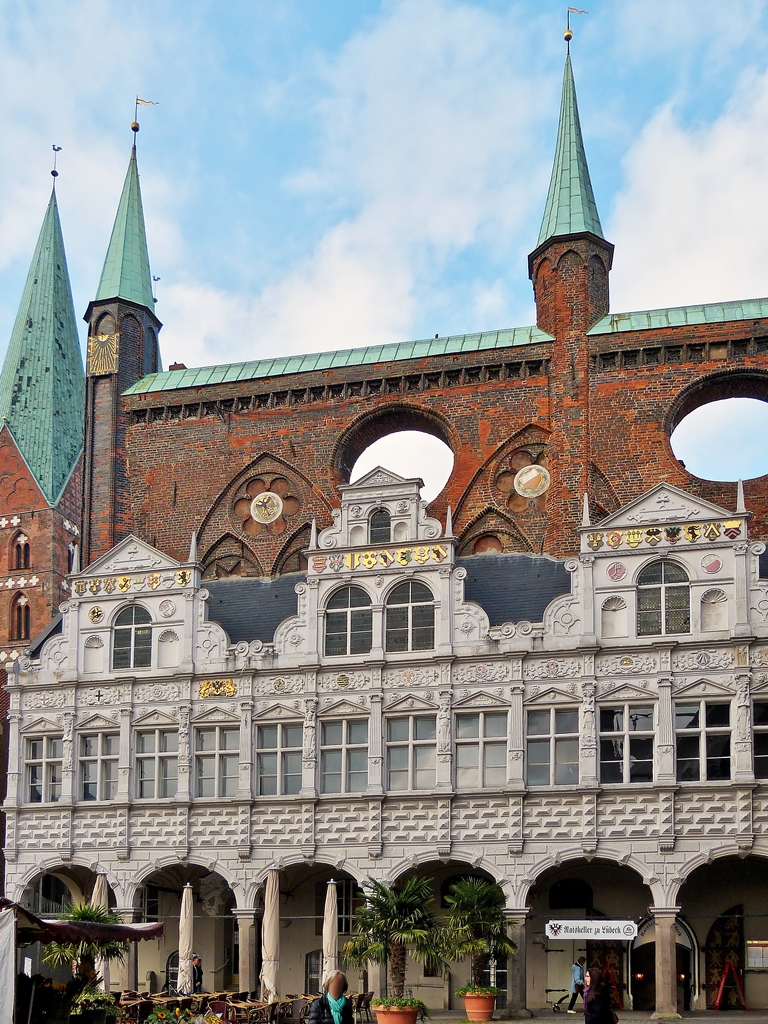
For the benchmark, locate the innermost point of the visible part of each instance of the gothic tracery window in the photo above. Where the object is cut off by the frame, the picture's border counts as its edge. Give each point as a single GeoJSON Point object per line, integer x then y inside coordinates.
{"type": "Point", "coordinates": [21, 618]}
{"type": "Point", "coordinates": [21, 554]}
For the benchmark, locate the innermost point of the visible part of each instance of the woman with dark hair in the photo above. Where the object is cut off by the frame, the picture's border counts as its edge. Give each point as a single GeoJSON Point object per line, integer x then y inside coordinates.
{"type": "Point", "coordinates": [597, 999]}
{"type": "Point", "coordinates": [333, 1007]}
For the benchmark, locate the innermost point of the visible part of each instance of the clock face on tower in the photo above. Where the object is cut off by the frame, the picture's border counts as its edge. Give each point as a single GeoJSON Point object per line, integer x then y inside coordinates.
{"type": "Point", "coordinates": [102, 354]}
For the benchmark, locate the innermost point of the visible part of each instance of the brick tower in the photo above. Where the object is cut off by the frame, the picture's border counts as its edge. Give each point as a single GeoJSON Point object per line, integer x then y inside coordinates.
{"type": "Point", "coordinates": [122, 348]}
{"type": "Point", "coordinates": [569, 270]}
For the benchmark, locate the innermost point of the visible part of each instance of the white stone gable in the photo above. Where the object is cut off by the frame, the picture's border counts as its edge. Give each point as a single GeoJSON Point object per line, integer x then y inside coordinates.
{"type": "Point", "coordinates": [131, 555]}
{"type": "Point", "coordinates": [663, 504]}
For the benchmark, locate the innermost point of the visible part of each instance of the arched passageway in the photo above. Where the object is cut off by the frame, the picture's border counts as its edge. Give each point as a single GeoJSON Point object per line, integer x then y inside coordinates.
{"type": "Point", "coordinates": [581, 890]}
{"type": "Point", "coordinates": [726, 905]}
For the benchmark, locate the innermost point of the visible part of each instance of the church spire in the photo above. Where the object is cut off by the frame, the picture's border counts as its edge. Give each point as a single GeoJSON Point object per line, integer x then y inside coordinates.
{"type": "Point", "coordinates": [42, 382]}
{"type": "Point", "coordinates": [126, 274]}
{"type": "Point", "coordinates": [571, 207]}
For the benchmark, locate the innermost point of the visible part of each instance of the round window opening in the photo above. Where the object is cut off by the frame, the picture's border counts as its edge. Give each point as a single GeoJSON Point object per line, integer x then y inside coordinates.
{"type": "Point", "coordinates": [409, 453]}
{"type": "Point", "coordinates": [724, 440]}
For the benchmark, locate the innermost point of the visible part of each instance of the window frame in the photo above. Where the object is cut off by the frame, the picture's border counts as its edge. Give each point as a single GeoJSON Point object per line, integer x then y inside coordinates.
{"type": "Point", "coordinates": [626, 735]}
{"type": "Point", "coordinates": [664, 588]}
{"type": "Point", "coordinates": [218, 754]}
{"type": "Point", "coordinates": [21, 618]}
{"type": "Point", "coordinates": [106, 787]}
{"type": "Point", "coordinates": [47, 762]}
{"type": "Point", "coordinates": [481, 742]}
{"type": "Point", "coordinates": [374, 528]}
{"type": "Point", "coordinates": [409, 627]}
{"type": "Point", "coordinates": [704, 731]}
{"type": "Point", "coordinates": [759, 731]}
{"type": "Point", "coordinates": [349, 612]}
{"type": "Point", "coordinates": [133, 628]}
{"type": "Point", "coordinates": [412, 744]}
{"type": "Point", "coordinates": [159, 759]}
{"type": "Point", "coordinates": [22, 552]}
{"type": "Point", "coordinates": [281, 753]}
{"type": "Point", "coordinates": [345, 747]}
{"type": "Point", "coordinates": [554, 738]}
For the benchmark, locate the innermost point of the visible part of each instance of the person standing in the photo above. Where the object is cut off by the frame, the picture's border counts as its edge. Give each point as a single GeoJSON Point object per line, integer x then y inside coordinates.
{"type": "Point", "coordinates": [577, 982]}
{"type": "Point", "coordinates": [197, 974]}
{"type": "Point", "coordinates": [597, 999]}
{"type": "Point", "coordinates": [333, 1007]}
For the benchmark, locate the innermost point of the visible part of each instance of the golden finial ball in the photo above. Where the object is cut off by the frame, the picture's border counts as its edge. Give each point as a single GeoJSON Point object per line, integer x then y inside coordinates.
{"type": "Point", "coordinates": [134, 126]}
{"type": "Point", "coordinates": [567, 35]}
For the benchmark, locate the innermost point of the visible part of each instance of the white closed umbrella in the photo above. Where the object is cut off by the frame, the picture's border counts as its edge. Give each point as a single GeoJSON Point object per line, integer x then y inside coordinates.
{"type": "Point", "coordinates": [330, 932]}
{"type": "Point", "coordinates": [184, 984]}
{"type": "Point", "coordinates": [100, 898]}
{"type": "Point", "coordinates": [270, 938]}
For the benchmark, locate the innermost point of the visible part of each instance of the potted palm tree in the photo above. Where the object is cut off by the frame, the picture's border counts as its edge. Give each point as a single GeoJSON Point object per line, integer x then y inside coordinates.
{"type": "Point", "coordinates": [90, 1005]}
{"type": "Point", "coordinates": [391, 926]}
{"type": "Point", "coordinates": [475, 929]}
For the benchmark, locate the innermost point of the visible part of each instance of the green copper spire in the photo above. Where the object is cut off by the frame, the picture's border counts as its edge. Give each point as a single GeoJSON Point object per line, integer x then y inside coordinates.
{"type": "Point", "coordinates": [126, 273]}
{"type": "Point", "coordinates": [570, 207]}
{"type": "Point", "coordinates": [42, 386]}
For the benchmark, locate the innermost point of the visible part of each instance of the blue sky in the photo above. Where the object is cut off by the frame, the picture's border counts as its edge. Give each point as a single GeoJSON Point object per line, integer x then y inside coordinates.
{"type": "Point", "coordinates": [326, 175]}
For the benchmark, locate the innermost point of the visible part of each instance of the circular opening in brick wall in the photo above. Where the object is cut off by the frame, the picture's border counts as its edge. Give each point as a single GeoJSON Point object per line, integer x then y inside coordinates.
{"type": "Point", "coordinates": [724, 440]}
{"type": "Point", "coordinates": [409, 453]}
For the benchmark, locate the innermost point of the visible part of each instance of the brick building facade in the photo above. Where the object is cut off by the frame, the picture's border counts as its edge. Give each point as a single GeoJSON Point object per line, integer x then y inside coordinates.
{"type": "Point", "coordinates": [553, 675]}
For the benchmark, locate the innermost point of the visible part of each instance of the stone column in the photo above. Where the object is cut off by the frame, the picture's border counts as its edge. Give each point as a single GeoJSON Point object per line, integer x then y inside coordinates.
{"type": "Point", "coordinates": [246, 931]}
{"type": "Point", "coordinates": [375, 740]}
{"type": "Point", "coordinates": [128, 970]}
{"type": "Point", "coordinates": [124, 760]}
{"type": "Point", "coordinates": [666, 963]}
{"type": "Point", "coordinates": [743, 731]}
{"type": "Point", "coordinates": [309, 750]}
{"type": "Point", "coordinates": [516, 763]}
{"type": "Point", "coordinates": [741, 580]}
{"type": "Point", "coordinates": [516, 965]}
{"type": "Point", "coordinates": [186, 783]}
{"type": "Point", "coordinates": [665, 734]}
{"type": "Point", "coordinates": [444, 737]}
{"type": "Point", "coordinates": [246, 749]}
{"type": "Point", "coordinates": [588, 733]}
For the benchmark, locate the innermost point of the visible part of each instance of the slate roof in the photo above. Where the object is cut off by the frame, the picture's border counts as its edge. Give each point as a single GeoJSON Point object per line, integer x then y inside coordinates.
{"type": "Point", "coordinates": [570, 207]}
{"type": "Point", "coordinates": [126, 273]}
{"type": "Point", "coordinates": [172, 380]}
{"type": "Point", "coordinates": [509, 588]}
{"type": "Point", "coordinates": [42, 384]}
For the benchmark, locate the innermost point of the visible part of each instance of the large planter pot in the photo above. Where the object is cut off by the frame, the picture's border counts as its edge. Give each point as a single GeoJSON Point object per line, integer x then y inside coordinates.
{"type": "Point", "coordinates": [396, 1014]}
{"type": "Point", "coordinates": [479, 1007]}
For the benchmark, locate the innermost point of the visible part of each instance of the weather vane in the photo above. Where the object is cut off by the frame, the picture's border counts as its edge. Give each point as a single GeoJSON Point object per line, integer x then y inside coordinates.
{"type": "Point", "coordinates": [54, 172]}
{"type": "Point", "coordinates": [146, 103]}
{"type": "Point", "coordinates": [568, 34]}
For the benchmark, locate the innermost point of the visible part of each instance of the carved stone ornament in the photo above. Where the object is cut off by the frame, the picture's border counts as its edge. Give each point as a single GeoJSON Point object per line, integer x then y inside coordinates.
{"type": "Point", "coordinates": [217, 688]}
{"type": "Point", "coordinates": [280, 684]}
{"type": "Point", "coordinates": [167, 608]}
{"type": "Point", "coordinates": [486, 672]}
{"type": "Point", "coordinates": [410, 677]}
{"type": "Point", "coordinates": [148, 693]}
{"type": "Point", "coordinates": [553, 669]}
{"type": "Point", "coordinates": [96, 614]}
{"type": "Point", "coordinates": [693, 660]}
{"type": "Point", "coordinates": [44, 699]}
{"type": "Point", "coordinates": [625, 664]}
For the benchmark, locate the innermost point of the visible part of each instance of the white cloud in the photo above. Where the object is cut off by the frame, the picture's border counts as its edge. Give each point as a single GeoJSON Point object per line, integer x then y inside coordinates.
{"type": "Point", "coordinates": [427, 135]}
{"type": "Point", "coordinates": [691, 223]}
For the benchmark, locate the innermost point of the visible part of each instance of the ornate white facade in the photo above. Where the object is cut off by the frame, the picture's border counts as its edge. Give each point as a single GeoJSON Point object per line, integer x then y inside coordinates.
{"type": "Point", "coordinates": [469, 777]}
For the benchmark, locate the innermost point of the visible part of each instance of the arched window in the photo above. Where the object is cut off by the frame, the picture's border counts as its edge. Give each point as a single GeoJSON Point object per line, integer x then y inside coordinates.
{"type": "Point", "coordinates": [348, 622]}
{"type": "Point", "coordinates": [410, 618]}
{"type": "Point", "coordinates": [663, 600]}
{"type": "Point", "coordinates": [132, 645]}
{"type": "Point", "coordinates": [380, 531]}
{"type": "Point", "coordinates": [20, 618]}
{"type": "Point", "coordinates": [21, 556]}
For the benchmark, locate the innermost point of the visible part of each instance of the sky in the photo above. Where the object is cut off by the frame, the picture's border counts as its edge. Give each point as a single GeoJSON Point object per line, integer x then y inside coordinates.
{"type": "Point", "coordinates": [329, 175]}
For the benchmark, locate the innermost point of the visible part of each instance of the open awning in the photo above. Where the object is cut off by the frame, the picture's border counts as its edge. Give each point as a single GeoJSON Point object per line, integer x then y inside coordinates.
{"type": "Point", "coordinates": [31, 928]}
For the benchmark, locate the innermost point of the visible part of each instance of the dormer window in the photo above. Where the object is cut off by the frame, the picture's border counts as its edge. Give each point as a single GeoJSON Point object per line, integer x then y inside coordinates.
{"type": "Point", "coordinates": [663, 600]}
{"type": "Point", "coordinates": [380, 531]}
{"type": "Point", "coordinates": [132, 647]}
{"type": "Point", "coordinates": [410, 623]}
{"type": "Point", "coordinates": [348, 622]}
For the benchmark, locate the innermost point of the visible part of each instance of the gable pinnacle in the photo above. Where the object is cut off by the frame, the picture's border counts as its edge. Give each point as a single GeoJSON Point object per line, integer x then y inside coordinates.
{"type": "Point", "coordinates": [570, 208]}
{"type": "Point", "coordinates": [126, 273]}
{"type": "Point", "coordinates": [42, 385]}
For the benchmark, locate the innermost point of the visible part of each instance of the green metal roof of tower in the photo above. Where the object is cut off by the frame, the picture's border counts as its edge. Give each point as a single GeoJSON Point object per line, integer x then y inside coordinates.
{"type": "Point", "coordinates": [571, 206]}
{"type": "Point", "coordinates": [42, 384]}
{"type": "Point", "coordinates": [126, 273]}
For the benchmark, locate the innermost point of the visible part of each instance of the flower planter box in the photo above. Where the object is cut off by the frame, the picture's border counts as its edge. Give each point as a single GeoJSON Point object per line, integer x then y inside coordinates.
{"type": "Point", "coordinates": [396, 1014]}
{"type": "Point", "coordinates": [479, 1007]}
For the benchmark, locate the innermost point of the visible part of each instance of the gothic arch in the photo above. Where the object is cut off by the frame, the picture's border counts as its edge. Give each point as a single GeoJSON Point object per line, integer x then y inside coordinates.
{"type": "Point", "coordinates": [490, 522]}
{"type": "Point", "coordinates": [388, 419]}
{"type": "Point", "coordinates": [291, 551]}
{"type": "Point", "coordinates": [226, 553]}
{"type": "Point", "coordinates": [733, 383]}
